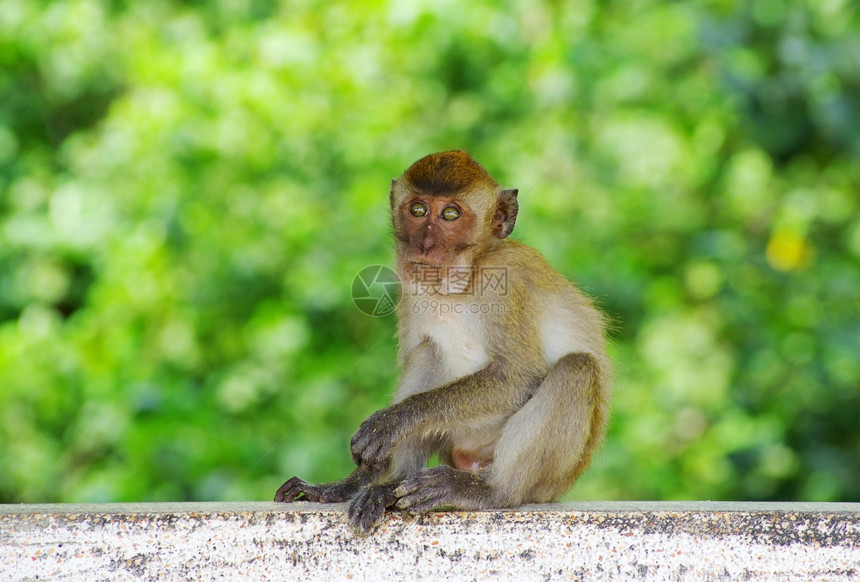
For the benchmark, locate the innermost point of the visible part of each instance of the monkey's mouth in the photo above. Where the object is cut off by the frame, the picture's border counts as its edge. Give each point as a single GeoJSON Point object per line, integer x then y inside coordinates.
{"type": "Point", "coordinates": [426, 262]}
{"type": "Point", "coordinates": [434, 261]}
{"type": "Point", "coordinates": [438, 256]}
{"type": "Point", "coordinates": [430, 258]}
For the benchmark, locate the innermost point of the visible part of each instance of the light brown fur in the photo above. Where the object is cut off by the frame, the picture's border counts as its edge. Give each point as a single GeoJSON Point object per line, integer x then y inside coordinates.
{"type": "Point", "coordinates": [509, 383]}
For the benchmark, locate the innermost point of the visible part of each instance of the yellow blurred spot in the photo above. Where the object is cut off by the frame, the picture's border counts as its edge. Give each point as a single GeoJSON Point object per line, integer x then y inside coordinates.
{"type": "Point", "coordinates": [787, 251]}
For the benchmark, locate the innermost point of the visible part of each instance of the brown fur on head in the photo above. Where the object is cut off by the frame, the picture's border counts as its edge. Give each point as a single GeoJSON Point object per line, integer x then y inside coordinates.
{"type": "Point", "coordinates": [441, 181]}
{"type": "Point", "coordinates": [447, 173]}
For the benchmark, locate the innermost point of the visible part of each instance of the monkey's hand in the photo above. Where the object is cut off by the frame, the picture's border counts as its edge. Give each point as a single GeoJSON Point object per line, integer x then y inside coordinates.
{"type": "Point", "coordinates": [376, 438]}
{"type": "Point", "coordinates": [367, 508]}
{"type": "Point", "coordinates": [296, 488]}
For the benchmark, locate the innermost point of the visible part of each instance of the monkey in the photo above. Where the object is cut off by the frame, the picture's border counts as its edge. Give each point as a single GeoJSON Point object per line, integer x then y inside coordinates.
{"type": "Point", "coordinates": [504, 376]}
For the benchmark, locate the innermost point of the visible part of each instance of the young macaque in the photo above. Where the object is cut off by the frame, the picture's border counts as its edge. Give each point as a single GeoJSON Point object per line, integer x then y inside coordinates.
{"type": "Point", "coordinates": [505, 374]}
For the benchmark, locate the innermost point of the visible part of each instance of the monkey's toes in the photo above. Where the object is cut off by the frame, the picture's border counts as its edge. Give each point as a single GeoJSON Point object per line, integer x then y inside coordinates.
{"type": "Point", "coordinates": [407, 486]}
{"type": "Point", "coordinates": [423, 498]}
{"type": "Point", "coordinates": [294, 488]}
{"type": "Point", "coordinates": [425, 490]}
{"type": "Point", "coordinates": [366, 509]}
{"type": "Point", "coordinates": [286, 492]}
{"type": "Point", "coordinates": [364, 515]}
{"type": "Point", "coordinates": [420, 501]}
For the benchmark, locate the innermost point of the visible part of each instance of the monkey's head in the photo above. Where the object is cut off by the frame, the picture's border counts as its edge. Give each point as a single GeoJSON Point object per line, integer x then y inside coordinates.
{"type": "Point", "coordinates": [447, 210]}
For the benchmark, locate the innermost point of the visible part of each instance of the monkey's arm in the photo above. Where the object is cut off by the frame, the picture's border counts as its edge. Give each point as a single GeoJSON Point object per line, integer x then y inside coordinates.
{"type": "Point", "coordinates": [495, 390]}
{"type": "Point", "coordinates": [335, 492]}
{"type": "Point", "coordinates": [421, 370]}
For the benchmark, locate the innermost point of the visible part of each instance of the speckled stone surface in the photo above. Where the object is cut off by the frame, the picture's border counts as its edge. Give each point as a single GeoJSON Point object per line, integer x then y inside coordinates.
{"type": "Point", "coordinates": [308, 541]}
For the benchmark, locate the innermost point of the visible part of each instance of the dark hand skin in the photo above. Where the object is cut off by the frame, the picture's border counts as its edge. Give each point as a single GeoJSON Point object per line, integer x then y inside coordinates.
{"type": "Point", "coordinates": [367, 508]}
{"type": "Point", "coordinates": [368, 501]}
{"type": "Point", "coordinates": [376, 438]}
{"type": "Point", "coordinates": [425, 490]}
{"type": "Point", "coordinates": [383, 430]}
{"type": "Point", "coordinates": [441, 486]}
{"type": "Point", "coordinates": [337, 492]}
{"type": "Point", "coordinates": [372, 446]}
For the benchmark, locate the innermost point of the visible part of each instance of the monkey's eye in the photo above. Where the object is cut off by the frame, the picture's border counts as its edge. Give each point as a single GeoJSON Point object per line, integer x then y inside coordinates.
{"type": "Point", "coordinates": [451, 213]}
{"type": "Point", "coordinates": [418, 209]}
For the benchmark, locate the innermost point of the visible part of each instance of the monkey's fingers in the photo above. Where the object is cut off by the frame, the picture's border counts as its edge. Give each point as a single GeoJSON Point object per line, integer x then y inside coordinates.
{"type": "Point", "coordinates": [357, 446]}
{"type": "Point", "coordinates": [359, 443]}
{"type": "Point", "coordinates": [374, 455]}
{"type": "Point", "coordinates": [295, 488]}
{"type": "Point", "coordinates": [373, 442]}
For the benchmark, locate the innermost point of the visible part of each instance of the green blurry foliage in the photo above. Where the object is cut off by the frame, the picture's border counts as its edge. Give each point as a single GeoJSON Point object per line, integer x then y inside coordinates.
{"type": "Point", "coordinates": [187, 190]}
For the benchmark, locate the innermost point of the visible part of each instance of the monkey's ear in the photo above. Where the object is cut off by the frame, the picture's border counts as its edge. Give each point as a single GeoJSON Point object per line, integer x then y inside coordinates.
{"type": "Point", "coordinates": [506, 213]}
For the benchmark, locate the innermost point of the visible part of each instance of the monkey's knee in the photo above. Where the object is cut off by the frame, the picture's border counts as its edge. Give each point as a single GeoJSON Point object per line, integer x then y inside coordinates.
{"type": "Point", "coordinates": [582, 363]}
{"type": "Point", "coordinates": [578, 383]}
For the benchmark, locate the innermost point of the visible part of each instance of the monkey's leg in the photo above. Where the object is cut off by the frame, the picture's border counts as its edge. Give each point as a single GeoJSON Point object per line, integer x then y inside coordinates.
{"type": "Point", "coordinates": [368, 506]}
{"type": "Point", "coordinates": [335, 492]}
{"type": "Point", "coordinates": [543, 448]}
{"type": "Point", "coordinates": [547, 444]}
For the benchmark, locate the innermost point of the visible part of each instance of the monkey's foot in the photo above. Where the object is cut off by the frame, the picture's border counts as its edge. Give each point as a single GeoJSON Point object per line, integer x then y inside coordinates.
{"type": "Point", "coordinates": [441, 486]}
{"type": "Point", "coordinates": [367, 508]}
{"type": "Point", "coordinates": [296, 488]}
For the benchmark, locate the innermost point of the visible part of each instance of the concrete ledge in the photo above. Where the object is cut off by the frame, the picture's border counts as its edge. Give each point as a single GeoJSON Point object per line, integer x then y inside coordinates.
{"type": "Point", "coordinates": [308, 541]}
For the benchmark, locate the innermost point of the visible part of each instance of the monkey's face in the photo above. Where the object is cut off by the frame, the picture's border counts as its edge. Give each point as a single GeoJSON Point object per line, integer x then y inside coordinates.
{"type": "Point", "coordinates": [435, 230]}
{"type": "Point", "coordinates": [447, 210]}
